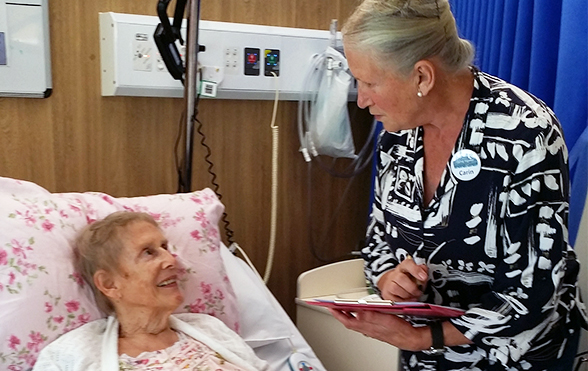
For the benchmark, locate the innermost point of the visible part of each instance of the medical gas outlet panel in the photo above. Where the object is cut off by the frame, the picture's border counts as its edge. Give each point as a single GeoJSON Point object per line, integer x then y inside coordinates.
{"type": "Point", "coordinates": [239, 61]}
{"type": "Point", "coordinates": [270, 63]}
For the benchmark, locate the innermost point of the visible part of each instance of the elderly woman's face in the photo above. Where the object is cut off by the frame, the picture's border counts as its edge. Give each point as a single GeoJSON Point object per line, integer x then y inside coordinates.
{"type": "Point", "coordinates": [391, 99]}
{"type": "Point", "coordinates": [147, 274]}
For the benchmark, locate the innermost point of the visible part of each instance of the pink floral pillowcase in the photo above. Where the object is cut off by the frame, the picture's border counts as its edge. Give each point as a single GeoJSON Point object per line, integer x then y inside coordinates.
{"type": "Point", "coordinates": [41, 297]}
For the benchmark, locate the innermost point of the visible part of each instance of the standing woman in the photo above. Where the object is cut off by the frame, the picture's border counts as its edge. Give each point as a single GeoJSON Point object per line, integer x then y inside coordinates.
{"type": "Point", "coordinates": [471, 200]}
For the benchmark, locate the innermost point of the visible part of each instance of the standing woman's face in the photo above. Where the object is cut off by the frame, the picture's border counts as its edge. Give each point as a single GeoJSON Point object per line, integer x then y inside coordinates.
{"type": "Point", "coordinates": [391, 98]}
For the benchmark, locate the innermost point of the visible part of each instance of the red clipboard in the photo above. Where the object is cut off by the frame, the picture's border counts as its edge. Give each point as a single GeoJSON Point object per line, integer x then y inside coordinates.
{"type": "Point", "coordinates": [413, 309]}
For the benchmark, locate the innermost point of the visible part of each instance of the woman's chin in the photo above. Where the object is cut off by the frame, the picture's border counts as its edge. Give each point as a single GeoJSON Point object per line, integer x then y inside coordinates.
{"type": "Point", "coordinates": [174, 298]}
{"type": "Point", "coordinates": [394, 127]}
{"type": "Point", "coordinates": [179, 299]}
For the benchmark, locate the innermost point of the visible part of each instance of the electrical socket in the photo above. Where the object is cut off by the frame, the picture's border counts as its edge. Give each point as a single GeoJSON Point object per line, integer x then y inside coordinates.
{"type": "Point", "coordinates": [159, 63]}
{"type": "Point", "coordinates": [231, 60]}
{"type": "Point", "coordinates": [142, 55]}
{"type": "Point", "coordinates": [182, 51]}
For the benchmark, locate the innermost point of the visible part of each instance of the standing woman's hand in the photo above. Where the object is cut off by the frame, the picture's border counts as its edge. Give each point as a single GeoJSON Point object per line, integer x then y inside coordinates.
{"type": "Point", "coordinates": [406, 282]}
{"type": "Point", "coordinates": [385, 327]}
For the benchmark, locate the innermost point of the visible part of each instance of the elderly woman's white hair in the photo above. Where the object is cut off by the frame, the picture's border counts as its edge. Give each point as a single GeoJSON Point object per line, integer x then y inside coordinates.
{"type": "Point", "coordinates": [399, 33]}
{"type": "Point", "coordinates": [99, 246]}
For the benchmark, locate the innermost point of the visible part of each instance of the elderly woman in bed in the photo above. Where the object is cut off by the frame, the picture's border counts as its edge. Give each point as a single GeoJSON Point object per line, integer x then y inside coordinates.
{"type": "Point", "coordinates": [125, 259]}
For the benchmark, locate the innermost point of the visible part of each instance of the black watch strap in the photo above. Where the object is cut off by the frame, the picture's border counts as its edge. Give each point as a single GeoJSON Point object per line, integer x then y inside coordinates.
{"type": "Point", "coordinates": [438, 345]}
{"type": "Point", "coordinates": [437, 334]}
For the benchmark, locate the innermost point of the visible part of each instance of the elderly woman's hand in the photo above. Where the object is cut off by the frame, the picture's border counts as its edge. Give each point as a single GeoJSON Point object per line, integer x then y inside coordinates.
{"type": "Point", "coordinates": [406, 282]}
{"type": "Point", "coordinates": [386, 327]}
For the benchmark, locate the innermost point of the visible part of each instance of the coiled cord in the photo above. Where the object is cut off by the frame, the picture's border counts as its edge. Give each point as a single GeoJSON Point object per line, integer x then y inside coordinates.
{"type": "Point", "coordinates": [179, 163]}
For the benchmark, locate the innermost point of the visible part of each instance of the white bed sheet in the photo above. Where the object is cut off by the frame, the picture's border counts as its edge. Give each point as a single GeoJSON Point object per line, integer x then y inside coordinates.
{"type": "Point", "coordinates": [265, 325]}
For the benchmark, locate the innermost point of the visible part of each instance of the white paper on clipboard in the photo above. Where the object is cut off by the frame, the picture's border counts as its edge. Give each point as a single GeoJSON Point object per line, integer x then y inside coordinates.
{"type": "Point", "coordinates": [413, 309]}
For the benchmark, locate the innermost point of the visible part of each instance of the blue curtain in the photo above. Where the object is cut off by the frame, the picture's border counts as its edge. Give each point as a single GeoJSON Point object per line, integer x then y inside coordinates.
{"type": "Point", "coordinates": [542, 47]}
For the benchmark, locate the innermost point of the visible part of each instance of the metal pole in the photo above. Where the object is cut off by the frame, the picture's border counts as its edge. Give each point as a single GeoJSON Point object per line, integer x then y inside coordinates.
{"type": "Point", "coordinates": [191, 86]}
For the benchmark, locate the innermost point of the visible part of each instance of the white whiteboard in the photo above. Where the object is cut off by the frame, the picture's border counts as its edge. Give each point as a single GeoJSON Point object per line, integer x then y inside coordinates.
{"type": "Point", "coordinates": [25, 59]}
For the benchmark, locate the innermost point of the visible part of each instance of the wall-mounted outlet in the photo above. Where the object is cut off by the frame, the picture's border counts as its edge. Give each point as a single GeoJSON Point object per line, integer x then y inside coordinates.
{"type": "Point", "coordinates": [159, 63]}
{"type": "Point", "coordinates": [233, 58]}
{"type": "Point", "coordinates": [142, 55]}
{"type": "Point", "coordinates": [182, 50]}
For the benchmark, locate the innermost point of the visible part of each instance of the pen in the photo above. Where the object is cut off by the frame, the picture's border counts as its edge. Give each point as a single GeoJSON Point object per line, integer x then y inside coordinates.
{"type": "Point", "coordinates": [418, 261]}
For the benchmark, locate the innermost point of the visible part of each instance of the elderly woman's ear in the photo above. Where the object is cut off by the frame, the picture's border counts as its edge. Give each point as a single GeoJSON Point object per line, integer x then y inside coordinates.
{"type": "Point", "coordinates": [425, 74]}
{"type": "Point", "coordinates": [106, 284]}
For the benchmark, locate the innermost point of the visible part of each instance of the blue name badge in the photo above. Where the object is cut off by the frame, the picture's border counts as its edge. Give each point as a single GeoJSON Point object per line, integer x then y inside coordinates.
{"type": "Point", "coordinates": [465, 165]}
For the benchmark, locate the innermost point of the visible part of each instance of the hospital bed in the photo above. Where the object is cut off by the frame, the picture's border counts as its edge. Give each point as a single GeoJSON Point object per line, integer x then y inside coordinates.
{"type": "Point", "coordinates": [42, 297]}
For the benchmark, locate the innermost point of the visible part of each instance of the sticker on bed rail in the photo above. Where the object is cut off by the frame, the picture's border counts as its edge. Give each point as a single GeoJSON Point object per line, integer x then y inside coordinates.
{"type": "Point", "coordinates": [298, 362]}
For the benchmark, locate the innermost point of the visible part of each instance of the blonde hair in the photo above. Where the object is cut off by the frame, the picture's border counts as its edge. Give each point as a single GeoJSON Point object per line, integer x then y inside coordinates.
{"type": "Point", "coordinates": [99, 246]}
{"type": "Point", "coordinates": [399, 33]}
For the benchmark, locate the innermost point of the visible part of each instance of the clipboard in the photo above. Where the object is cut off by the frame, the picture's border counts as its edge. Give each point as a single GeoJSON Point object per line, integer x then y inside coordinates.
{"type": "Point", "coordinates": [412, 309]}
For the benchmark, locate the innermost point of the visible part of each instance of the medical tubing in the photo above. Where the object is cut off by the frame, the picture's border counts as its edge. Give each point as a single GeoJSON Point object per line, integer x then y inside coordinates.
{"type": "Point", "coordinates": [236, 246]}
{"type": "Point", "coordinates": [274, 195]}
{"type": "Point", "coordinates": [333, 33]}
{"type": "Point", "coordinates": [308, 98]}
{"type": "Point", "coordinates": [306, 102]}
{"type": "Point", "coordinates": [303, 103]}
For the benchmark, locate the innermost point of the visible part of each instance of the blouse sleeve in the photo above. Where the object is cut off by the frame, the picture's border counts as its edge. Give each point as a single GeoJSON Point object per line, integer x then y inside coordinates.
{"type": "Point", "coordinates": [528, 289]}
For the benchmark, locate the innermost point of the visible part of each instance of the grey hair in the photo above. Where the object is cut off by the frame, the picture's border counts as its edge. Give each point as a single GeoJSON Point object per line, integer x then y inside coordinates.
{"type": "Point", "coordinates": [399, 33]}
{"type": "Point", "coordinates": [99, 246]}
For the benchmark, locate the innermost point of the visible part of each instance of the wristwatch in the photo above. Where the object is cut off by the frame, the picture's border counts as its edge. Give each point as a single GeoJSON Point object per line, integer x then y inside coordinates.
{"type": "Point", "coordinates": [438, 346]}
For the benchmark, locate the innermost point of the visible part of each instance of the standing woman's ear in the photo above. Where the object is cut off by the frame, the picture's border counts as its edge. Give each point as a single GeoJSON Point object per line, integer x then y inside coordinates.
{"type": "Point", "coordinates": [425, 74]}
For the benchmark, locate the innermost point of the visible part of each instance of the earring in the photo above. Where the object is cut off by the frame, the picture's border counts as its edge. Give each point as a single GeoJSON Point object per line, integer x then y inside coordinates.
{"type": "Point", "coordinates": [419, 94]}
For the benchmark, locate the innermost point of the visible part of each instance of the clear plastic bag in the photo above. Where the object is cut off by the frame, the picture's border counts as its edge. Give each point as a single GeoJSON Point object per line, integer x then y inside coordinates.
{"type": "Point", "coordinates": [329, 126]}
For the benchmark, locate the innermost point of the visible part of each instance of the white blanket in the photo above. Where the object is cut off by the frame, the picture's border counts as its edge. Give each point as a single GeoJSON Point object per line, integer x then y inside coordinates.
{"type": "Point", "coordinates": [94, 346]}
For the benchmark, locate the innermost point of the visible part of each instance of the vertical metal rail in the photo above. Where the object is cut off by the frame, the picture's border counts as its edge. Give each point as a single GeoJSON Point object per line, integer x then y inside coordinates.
{"type": "Point", "coordinates": [191, 86]}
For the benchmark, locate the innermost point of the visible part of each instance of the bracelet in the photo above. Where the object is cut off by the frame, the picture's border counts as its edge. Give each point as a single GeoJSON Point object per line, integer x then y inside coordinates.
{"type": "Point", "coordinates": [438, 346]}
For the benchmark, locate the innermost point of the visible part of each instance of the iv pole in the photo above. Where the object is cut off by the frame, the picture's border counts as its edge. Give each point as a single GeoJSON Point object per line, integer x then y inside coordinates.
{"type": "Point", "coordinates": [165, 37]}
{"type": "Point", "coordinates": [192, 49]}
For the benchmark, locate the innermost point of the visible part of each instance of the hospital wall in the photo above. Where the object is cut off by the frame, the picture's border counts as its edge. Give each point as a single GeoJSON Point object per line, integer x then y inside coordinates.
{"type": "Point", "coordinates": [76, 140]}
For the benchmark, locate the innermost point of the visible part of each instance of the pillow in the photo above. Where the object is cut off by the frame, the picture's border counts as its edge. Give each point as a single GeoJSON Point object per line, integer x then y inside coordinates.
{"type": "Point", "coordinates": [267, 322]}
{"type": "Point", "coordinates": [41, 297]}
{"type": "Point", "coordinates": [265, 325]}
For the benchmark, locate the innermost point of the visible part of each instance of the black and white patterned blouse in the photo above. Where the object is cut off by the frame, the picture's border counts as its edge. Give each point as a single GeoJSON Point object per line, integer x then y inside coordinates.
{"type": "Point", "coordinates": [496, 244]}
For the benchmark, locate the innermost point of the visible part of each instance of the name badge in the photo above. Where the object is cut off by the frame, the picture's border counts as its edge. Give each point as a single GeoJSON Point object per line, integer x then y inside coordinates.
{"type": "Point", "coordinates": [465, 165]}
